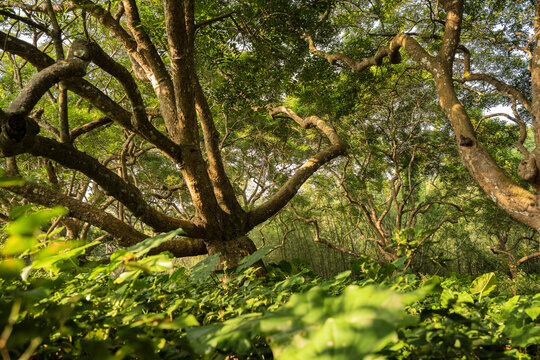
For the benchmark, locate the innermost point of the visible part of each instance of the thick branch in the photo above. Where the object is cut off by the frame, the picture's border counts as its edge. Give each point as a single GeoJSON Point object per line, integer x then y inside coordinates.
{"type": "Point", "coordinates": [159, 78]}
{"type": "Point", "coordinates": [48, 197]}
{"type": "Point", "coordinates": [43, 81]}
{"type": "Point", "coordinates": [376, 60]}
{"type": "Point", "coordinates": [125, 234]}
{"type": "Point", "coordinates": [139, 119]}
{"type": "Point", "coordinates": [535, 78]}
{"type": "Point", "coordinates": [452, 31]}
{"type": "Point", "coordinates": [291, 187]}
{"type": "Point", "coordinates": [528, 257]}
{"type": "Point", "coordinates": [216, 170]}
{"type": "Point", "coordinates": [27, 21]}
{"type": "Point", "coordinates": [179, 27]}
{"type": "Point", "coordinates": [17, 129]}
{"type": "Point", "coordinates": [92, 94]}
{"type": "Point", "coordinates": [126, 193]}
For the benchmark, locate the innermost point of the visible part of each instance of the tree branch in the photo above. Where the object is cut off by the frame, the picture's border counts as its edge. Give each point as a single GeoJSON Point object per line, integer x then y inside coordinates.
{"type": "Point", "coordinates": [499, 85]}
{"type": "Point", "coordinates": [321, 241]}
{"type": "Point", "coordinates": [291, 186]}
{"type": "Point", "coordinates": [126, 193]}
{"type": "Point", "coordinates": [222, 186]}
{"type": "Point", "coordinates": [86, 128]}
{"type": "Point", "coordinates": [213, 20]}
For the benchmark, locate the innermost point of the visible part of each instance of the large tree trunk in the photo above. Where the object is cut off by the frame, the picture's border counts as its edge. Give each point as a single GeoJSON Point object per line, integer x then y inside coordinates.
{"type": "Point", "coordinates": [232, 251]}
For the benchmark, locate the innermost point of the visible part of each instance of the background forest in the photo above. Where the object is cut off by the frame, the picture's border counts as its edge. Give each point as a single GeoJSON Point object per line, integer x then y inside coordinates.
{"type": "Point", "coordinates": [308, 151]}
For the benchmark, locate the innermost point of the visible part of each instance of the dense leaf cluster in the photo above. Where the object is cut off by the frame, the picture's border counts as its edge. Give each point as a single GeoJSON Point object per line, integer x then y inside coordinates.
{"type": "Point", "coordinates": [142, 306]}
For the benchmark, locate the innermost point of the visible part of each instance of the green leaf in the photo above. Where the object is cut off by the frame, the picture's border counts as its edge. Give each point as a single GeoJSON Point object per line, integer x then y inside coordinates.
{"type": "Point", "coordinates": [127, 276]}
{"type": "Point", "coordinates": [232, 336]}
{"type": "Point", "coordinates": [484, 284]}
{"type": "Point", "coordinates": [253, 258]}
{"type": "Point", "coordinates": [400, 263]}
{"type": "Point", "coordinates": [201, 271]}
{"type": "Point", "coordinates": [7, 181]}
{"type": "Point", "coordinates": [157, 263]}
{"type": "Point", "coordinates": [145, 246]}
{"type": "Point", "coordinates": [354, 325]}
{"type": "Point", "coordinates": [52, 254]}
{"type": "Point", "coordinates": [23, 230]}
{"type": "Point", "coordinates": [533, 312]}
{"type": "Point", "coordinates": [11, 268]}
{"type": "Point", "coordinates": [181, 322]}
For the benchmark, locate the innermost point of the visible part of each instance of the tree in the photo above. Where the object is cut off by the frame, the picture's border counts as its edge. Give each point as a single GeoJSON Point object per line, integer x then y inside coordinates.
{"type": "Point", "coordinates": [213, 221]}
{"type": "Point", "coordinates": [444, 40]}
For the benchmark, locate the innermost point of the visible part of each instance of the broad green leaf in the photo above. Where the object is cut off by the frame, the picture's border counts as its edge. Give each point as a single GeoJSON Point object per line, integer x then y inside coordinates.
{"type": "Point", "coordinates": [23, 230]}
{"type": "Point", "coordinates": [253, 258]}
{"type": "Point", "coordinates": [157, 263]}
{"type": "Point", "coordinates": [233, 335]}
{"type": "Point", "coordinates": [484, 284]}
{"type": "Point", "coordinates": [11, 268]}
{"type": "Point", "coordinates": [17, 244]}
{"type": "Point", "coordinates": [57, 252]}
{"type": "Point", "coordinates": [127, 276]}
{"type": "Point", "coordinates": [533, 311]}
{"type": "Point", "coordinates": [400, 263]}
{"type": "Point", "coordinates": [201, 271]}
{"type": "Point", "coordinates": [181, 322]}
{"type": "Point", "coordinates": [20, 210]}
{"type": "Point", "coordinates": [355, 324]}
{"type": "Point", "coordinates": [145, 246]}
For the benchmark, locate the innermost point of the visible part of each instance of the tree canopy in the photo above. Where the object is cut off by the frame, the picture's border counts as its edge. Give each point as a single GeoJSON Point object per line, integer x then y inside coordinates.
{"type": "Point", "coordinates": [209, 116]}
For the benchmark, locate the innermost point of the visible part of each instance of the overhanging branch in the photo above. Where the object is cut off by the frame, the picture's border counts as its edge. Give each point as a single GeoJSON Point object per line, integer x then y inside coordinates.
{"type": "Point", "coordinates": [290, 188]}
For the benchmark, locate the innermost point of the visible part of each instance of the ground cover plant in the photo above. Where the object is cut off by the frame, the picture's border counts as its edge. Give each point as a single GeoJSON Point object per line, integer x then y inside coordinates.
{"type": "Point", "coordinates": [56, 304]}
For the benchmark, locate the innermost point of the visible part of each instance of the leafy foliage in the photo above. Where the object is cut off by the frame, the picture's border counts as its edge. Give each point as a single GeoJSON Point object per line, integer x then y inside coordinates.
{"type": "Point", "coordinates": [143, 306]}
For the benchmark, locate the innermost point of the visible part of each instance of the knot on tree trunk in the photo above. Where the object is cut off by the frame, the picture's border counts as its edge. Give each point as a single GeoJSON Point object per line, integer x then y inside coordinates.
{"type": "Point", "coordinates": [528, 169]}
{"type": "Point", "coordinates": [465, 141]}
{"type": "Point", "coordinates": [17, 133]}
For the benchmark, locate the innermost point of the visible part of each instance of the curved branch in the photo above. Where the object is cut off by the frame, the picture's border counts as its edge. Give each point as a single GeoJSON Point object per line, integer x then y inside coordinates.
{"type": "Point", "coordinates": [125, 234]}
{"type": "Point", "coordinates": [92, 94]}
{"type": "Point", "coordinates": [126, 193]}
{"type": "Point", "coordinates": [290, 188]}
{"type": "Point", "coordinates": [144, 44]}
{"type": "Point", "coordinates": [43, 81]}
{"type": "Point", "coordinates": [25, 20]}
{"type": "Point", "coordinates": [158, 77]}
{"type": "Point", "coordinates": [528, 257]}
{"type": "Point", "coordinates": [139, 119]}
{"type": "Point", "coordinates": [376, 60]}
{"type": "Point", "coordinates": [45, 196]}
{"type": "Point", "coordinates": [499, 85]}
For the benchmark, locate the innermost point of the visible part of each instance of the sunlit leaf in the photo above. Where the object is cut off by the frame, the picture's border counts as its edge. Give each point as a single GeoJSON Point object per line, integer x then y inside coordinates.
{"type": "Point", "coordinates": [11, 268]}
{"type": "Point", "coordinates": [145, 246]}
{"type": "Point", "coordinates": [201, 271]}
{"type": "Point", "coordinates": [253, 258]}
{"type": "Point", "coordinates": [484, 284]}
